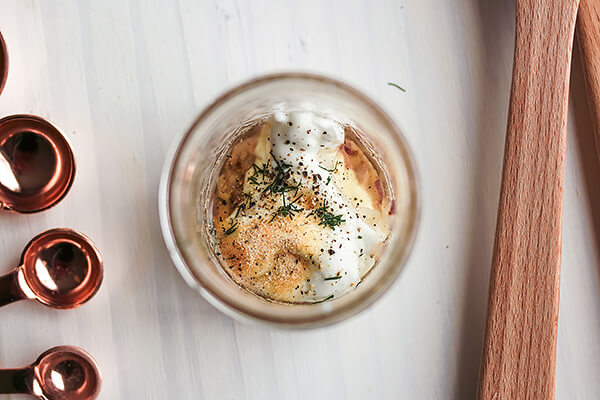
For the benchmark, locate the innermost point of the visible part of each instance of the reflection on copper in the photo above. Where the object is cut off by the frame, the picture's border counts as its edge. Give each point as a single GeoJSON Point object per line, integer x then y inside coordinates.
{"type": "Point", "coordinates": [37, 166]}
{"type": "Point", "coordinates": [57, 380]}
{"type": "Point", "coordinates": [7, 175]}
{"type": "Point", "coordinates": [61, 373]}
{"type": "Point", "coordinates": [36, 389]}
{"type": "Point", "coordinates": [41, 270]}
{"type": "Point", "coordinates": [3, 63]}
{"type": "Point", "coordinates": [60, 268]}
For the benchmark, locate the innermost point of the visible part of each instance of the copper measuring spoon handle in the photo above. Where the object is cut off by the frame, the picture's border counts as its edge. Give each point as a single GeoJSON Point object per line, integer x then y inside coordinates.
{"type": "Point", "coordinates": [14, 381]}
{"type": "Point", "coordinates": [10, 290]}
{"type": "Point", "coordinates": [61, 373]}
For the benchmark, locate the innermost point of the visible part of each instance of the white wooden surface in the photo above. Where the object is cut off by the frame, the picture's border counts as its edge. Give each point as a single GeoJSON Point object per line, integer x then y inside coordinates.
{"type": "Point", "coordinates": [125, 78]}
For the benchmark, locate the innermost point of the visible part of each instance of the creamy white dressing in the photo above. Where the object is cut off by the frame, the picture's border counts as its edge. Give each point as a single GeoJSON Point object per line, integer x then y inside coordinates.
{"type": "Point", "coordinates": [310, 144]}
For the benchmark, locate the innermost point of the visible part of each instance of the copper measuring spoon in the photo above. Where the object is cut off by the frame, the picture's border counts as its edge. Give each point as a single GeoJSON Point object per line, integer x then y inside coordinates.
{"type": "Point", "coordinates": [37, 165]}
{"type": "Point", "coordinates": [61, 373]}
{"type": "Point", "coordinates": [3, 63]}
{"type": "Point", "coordinates": [60, 268]}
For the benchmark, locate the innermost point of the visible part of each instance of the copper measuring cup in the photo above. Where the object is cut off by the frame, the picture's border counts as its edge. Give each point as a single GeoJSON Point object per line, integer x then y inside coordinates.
{"type": "Point", "coordinates": [3, 63]}
{"type": "Point", "coordinates": [37, 165]}
{"type": "Point", "coordinates": [59, 268]}
{"type": "Point", "coordinates": [61, 373]}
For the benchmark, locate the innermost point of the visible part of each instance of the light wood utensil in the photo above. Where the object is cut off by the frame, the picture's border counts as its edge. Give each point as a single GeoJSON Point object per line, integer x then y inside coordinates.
{"type": "Point", "coordinates": [588, 37]}
{"type": "Point", "coordinates": [519, 354]}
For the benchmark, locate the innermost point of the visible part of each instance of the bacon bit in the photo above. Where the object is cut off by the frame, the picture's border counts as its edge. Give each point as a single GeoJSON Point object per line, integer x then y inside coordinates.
{"type": "Point", "coordinates": [348, 149]}
{"type": "Point", "coordinates": [392, 207]}
{"type": "Point", "coordinates": [379, 188]}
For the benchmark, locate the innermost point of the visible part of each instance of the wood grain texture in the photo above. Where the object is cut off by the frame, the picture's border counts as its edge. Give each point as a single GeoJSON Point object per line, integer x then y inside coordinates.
{"type": "Point", "coordinates": [588, 37]}
{"type": "Point", "coordinates": [519, 355]}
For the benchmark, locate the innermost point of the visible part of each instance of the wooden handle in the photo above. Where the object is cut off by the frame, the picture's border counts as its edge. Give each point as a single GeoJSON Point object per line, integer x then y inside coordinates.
{"type": "Point", "coordinates": [588, 37]}
{"type": "Point", "coordinates": [519, 355]}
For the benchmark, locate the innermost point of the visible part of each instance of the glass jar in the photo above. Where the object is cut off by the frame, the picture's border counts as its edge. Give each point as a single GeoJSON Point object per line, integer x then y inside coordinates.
{"type": "Point", "coordinates": [189, 179]}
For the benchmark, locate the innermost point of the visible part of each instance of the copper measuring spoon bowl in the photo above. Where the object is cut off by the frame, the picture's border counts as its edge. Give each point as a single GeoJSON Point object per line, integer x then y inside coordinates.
{"type": "Point", "coordinates": [61, 373]}
{"type": "Point", "coordinates": [3, 63]}
{"type": "Point", "coordinates": [37, 165]}
{"type": "Point", "coordinates": [59, 268]}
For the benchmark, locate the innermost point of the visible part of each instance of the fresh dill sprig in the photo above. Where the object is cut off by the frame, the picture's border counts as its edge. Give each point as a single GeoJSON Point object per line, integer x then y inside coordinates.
{"type": "Point", "coordinates": [247, 204]}
{"type": "Point", "coordinates": [277, 178]}
{"type": "Point", "coordinates": [327, 217]}
{"type": "Point", "coordinates": [259, 172]}
{"type": "Point", "coordinates": [397, 86]}
{"type": "Point", "coordinates": [239, 209]}
{"type": "Point", "coordinates": [288, 209]}
{"type": "Point", "coordinates": [264, 170]}
{"type": "Point", "coordinates": [333, 278]}
{"type": "Point", "coordinates": [334, 169]}
{"type": "Point", "coordinates": [231, 229]}
{"type": "Point", "coordinates": [280, 182]}
{"type": "Point", "coordinates": [325, 299]}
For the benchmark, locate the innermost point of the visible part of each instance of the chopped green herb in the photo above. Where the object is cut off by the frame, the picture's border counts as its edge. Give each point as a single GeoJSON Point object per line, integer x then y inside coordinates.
{"type": "Point", "coordinates": [263, 171]}
{"type": "Point", "coordinates": [280, 182]}
{"type": "Point", "coordinates": [333, 278]}
{"type": "Point", "coordinates": [288, 209]}
{"type": "Point", "coordinates": [330, 170]}
{"type": "Point", "coordinates": [327, 217]}
{"type": "Point", "coordinates": [360, 237]}
{"type": "Point", "coordinates": [396, 86]}
{"type": "Point", "coordinates": [231, 229]}
{"type": "Point", "coordinates": [247, 204]}
{"type": "Point", "coordinates": [259, 173]}
{"type": "Point", "coordinates": [328, 180]}
{"type": "Point", "coordinates": [325, 299]}
{"type": "Point", "coordinates": [239, 209]}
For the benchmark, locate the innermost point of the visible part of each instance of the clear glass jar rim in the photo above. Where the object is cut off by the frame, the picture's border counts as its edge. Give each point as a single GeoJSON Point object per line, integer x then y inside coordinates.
{"type": "Point", "coordinates": [238, 310]}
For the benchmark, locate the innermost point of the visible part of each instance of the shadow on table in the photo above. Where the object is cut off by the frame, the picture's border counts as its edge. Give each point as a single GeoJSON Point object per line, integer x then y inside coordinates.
{"type": "Point", "coordinates": [586, 146]}
{"type": "Point", "coordinates": [496, 22]}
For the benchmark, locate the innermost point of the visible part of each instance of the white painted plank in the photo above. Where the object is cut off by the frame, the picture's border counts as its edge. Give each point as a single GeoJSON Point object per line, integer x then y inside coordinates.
{"type": "Point", "coordinates": [125, 78]}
